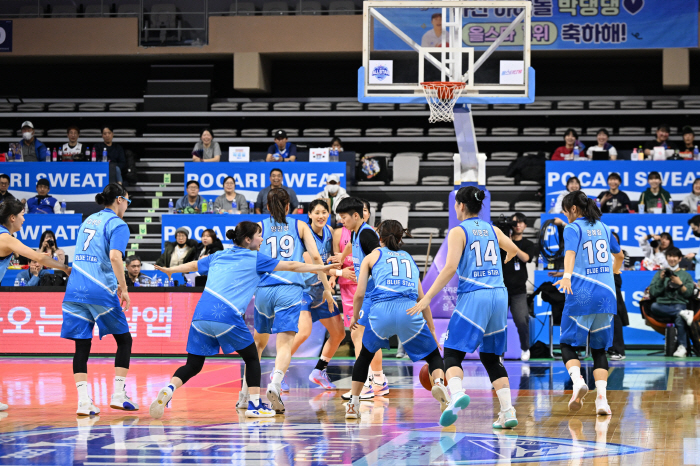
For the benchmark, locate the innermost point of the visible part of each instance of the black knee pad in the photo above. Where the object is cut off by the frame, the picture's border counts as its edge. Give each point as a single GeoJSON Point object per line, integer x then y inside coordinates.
{"type": "Point", "coordinates": [494, 367]}
{"type": "Point", "coordinates": [359, 371]}
{"type": "Point", "coordinates": [123, 356]}
{"type": "Point", "coordinates": [194, 366]}
{"type": "Point", "coordinates": [453, 358]}
{"type": "Point", "coordinates": [82, 353]}
{"type": "Point", "coordinates": [434, 361]}
{"type": "Point", "coordinates": [253, 373]}
{"type": "Point", "coordinates": [600, 360]}
{"type": "Point", "coordinates": [568, 353]}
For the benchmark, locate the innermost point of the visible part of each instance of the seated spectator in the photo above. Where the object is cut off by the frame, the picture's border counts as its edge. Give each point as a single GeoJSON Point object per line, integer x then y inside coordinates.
{"type": "Point", "coordinates": [654, 194]}
{"type": "Point", "coordinates": [570, 142]}
{"type": "Point", "coordinates": [73, 150]}
{"type": "Point", "coordinates": [223, 203]}
{"type": "Point", "coordinates": [206, 150]}
{"type": "Point", "coordinates": [694, 223]}
{"type": "Point", "coordinates": [49, 245]}
{"type": "Point", "coordinates": [182, 251]}
{"type": "Point", "coordinates": [336, 144]}
{"type": "Point", "coordinates": [33, 274]}
{"type": "Point", "coordinates": [613, 200]}
{"type": "Point", "coordinates": [209, 245]}
{"type": "Point", "coordinates": [191, 202]}
{"type": "Point", "coordinates": [281, 150]}
{"type": "Point", "coordinates": [655, 251]}
{"type": "Point", "coordinates": [602, 145]}
{"type": "Point", "coordinates": [4, 186]}
{"type": "Point", "coordinates": [661, 140]}
{"type": "Point", "coordinates": [688, 145]}
{"type": "Point", "coordinates": [572, 184]}
{"type": "Point", "coordinates": [33, 150]}
{"type": "Point", "coordinates": [276, 177]}
{"type": "Point", "coordinates": [333, 193]}
{"type": "Point", "coordinates": [691, 200]}
{"type": "Point", "coordinates": [115, 153]}
{"type": "Point", "coordinates": [133, 272]}
{"type": "Point", "coordinates": [671, 289]}
{"type": "Point", "coordinates": [43, 203]}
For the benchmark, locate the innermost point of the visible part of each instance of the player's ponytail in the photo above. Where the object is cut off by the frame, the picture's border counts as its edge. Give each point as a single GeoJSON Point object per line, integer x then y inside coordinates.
{"type": "Point", "coordinates": [277, 202]}
{"type": "Point", "coordinates": [110, 194]}
{"type": "Point", "coordinates": [391, 233]}
{"type": "Point", "coordinates": [9, 208]}
{"type": "Point", "coordinates": [243, 230]}
{"type": "Point", "coordinates": [472, 197]}
{"type": "Point", "coordinates": [586, 206]}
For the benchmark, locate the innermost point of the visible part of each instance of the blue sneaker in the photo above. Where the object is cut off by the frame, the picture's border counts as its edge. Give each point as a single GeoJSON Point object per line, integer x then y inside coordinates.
{"type": "Point", "coordinates": [321, 378]}
{"type": "Point", "coordinates": [284, 384]}
{"type": "Point", "coordinates": [449, 416]}
{"type": "Point", "coordinates": [261, 410]}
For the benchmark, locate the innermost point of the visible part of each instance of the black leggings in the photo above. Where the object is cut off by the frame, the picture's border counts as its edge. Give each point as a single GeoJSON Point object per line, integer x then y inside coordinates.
{"type": "Point", "coordinates": [82, 352]}
{"type": "Point", "coordinates": [490, 361]}
{"type": "Point", "coordinates": [361, 368]}
{"type": "Point", "coordinates": [249, 354]}
{"type": "Point", "coordinates": [600, 360]}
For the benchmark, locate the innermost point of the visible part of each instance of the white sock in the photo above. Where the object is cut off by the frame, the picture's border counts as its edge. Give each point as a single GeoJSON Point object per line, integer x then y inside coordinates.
{"type": "Point", "coordinates": [504, 398]}
{"type": "Point", "coordinates": [255, 399]}
{"type": "Point", "coordinates": [171, 387]}
{"type": "Point", "coordinates": [82, 390]}
{"type": "Point", "coordinates": [378, 377]}
{"type": "Point", "coordinates": [439, 381]}
{"type": "Point", "coordinates": [244, 387]}
{"type": "Point", "coordinates": [455, 385]}
{"type": "Point", "coordinates": [600, 386]}
{"type": "Point", "coordinates": [355, 400]}
{"type": "Point", "coordinates": [575, 373]}
{"type": "Point", "coordinates": [277, 377]}
{"type": "Point", "coordinates": [119, 384]}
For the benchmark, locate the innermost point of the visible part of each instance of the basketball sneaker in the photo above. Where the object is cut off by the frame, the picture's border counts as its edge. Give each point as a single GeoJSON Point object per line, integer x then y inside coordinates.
{"type": "Point", "coordinates": [440, 393]}
{"type": "Point", "coordinates": [602, 408]}
{"type": "Point", "coordinates": [449, 416]}
{"type": "Point", "coordinates": [274, 394]}
{"type": "Point", "coordinates": [321, 378]}
{"type": "Point", "coordinates": [366, 391]}
{"type": "Point", "coordinates": [506, 420]}
{"type": "Point", "coordinates": [688, 317]}
{"type": "Point", "coordinates": [122, 401]}
{"type": "Point", "coordinates": [3, 406]}
{"type": "Point", "coordinates": [380, 389]}
{"type": "Point", "coordinates": [284, 385]}
{"type": "Point", "coordinates": [261, 410]}
{"type": "Point", "coordinates": [158, 405]}
{"type": "Point", "coordinates": [351, 411]}
{"type": "Point", "coordinates": [580, 391]}
{"type": "Point", "coordinates": [87, 408]}
{"type": "Point", "coordinates": [242, 400]}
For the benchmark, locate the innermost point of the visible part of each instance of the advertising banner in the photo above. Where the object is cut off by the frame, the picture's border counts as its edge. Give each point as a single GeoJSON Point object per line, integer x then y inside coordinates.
{"type": "Point", "coordinates": [65, 227]}
{"type": "Point", "coordinates": [72, 182]}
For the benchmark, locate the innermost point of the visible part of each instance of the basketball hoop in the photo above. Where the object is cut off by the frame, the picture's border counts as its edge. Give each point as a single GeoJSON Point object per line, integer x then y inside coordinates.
{"type": "Point", "coordinates": [441, 98]}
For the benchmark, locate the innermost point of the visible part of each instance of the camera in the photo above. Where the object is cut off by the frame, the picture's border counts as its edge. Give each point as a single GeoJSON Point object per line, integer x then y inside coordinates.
{"type": "Point", "coordinates": [51, 243]}
{"type": "Point", "coordinates": [668, 273]}
{"type": "Point", "coordinates": [505, 225]}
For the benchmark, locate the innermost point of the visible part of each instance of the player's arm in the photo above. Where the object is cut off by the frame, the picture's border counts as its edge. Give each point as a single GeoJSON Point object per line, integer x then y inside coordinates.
{"type": "Point", "coordinates": [182, 268]}
{"type": "Point", "coordinates": [16, 246]}
{"type": "Point", "coordinates": [564, 284]}
{"type": "Point", "coordinates": [346, 252]}
{"type": "Point", "coordinates": [506, 244]}
{"type": "Point", "coordinates": [115, 258]}
{"type": "Point", "coordinates": [619, 260]}
{"type": "Point", "coordinates": [310, 243]}
{"type": "Point", "coordinates": [359, 298]}
{"type": "Point", "coordinates": [428, 316]}
{"type": "Point", "coordinates": [300, 267]}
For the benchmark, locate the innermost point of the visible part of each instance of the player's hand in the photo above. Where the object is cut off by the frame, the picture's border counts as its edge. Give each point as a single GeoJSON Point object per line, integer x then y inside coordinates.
{"type": "Point", "coordinates": [555, 274]}
{"type": "Point", "coordinates": [349, 274]}
{"type": "Point", "coordinates": [353, 323]}
{"type": "Point", "coordinates": [420, 306]}
{"type": "Point", "coordinates": [165, 270]}
{"type": "Point", "coordinates": [510, 256]}
{"type": "Point", "coordinates": [335, 258]}
{"type": "Point", "coordinates": [564, 286]}
{"type": "Point", "coordinates": [123, 295]}
{"type": "Point", "coordinates": [331, 282]}
{"type": "Point", "coordinates": [328, 297]}
{"type": "Point", "coordinates": [432, 332]}
{"type": "Point", "coordinates": [68, 270]}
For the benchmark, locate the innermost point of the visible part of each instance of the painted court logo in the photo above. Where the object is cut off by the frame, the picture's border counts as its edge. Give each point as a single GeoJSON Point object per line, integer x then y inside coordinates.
{"type": "Point", "coordinates": [381, 72]}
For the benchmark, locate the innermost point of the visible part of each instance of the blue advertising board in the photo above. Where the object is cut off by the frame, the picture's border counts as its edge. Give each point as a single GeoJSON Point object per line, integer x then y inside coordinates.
{"type": "Point", "coordinates": [72, 182]}
{"type": "Point", "coordinates": [307, 179]}
{"type": "Point", "coordinates": [677, 177]}
{"type": "Point", "coordinates": [560, 25]}
{"type": "Point", "coordinates": [65, 227]}
{"type": "Point", "coordinates": [6, 36]}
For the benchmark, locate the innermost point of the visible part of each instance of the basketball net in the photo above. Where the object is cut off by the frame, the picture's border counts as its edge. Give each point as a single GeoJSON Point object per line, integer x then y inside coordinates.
{"type": "Point", "coordinates": [441, 97]}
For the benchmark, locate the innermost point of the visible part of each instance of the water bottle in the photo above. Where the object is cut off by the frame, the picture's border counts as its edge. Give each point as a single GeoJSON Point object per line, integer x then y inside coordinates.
{"type": "Point", "coordinates": [641, 153]}
{"type": "Point", "coordinates": [16, 281]}
{"type": "Point", "coordinates": [251, 207]}
{"type": "Point", "coordinates": [52, 156]}
{"type": "Point", "coordinates": [93, 155]}
{"type": "Point", "coordinates": [540, 262]}
{"type": "Point", "coordinates": [204, 206]}
{"type": "Point", "coordinates": [234, 206]}
{"type": "Point", "coordinates": [641, 207]}
{"type": "Point", "coordinates": [87, 153]}
{"type": "Point", "coordinates": [696, 153]}
{"type": "Point", "coordinates": [300, 209]}
{"type": "Point", "coordinates": [60, 156]}
{"type": "Point", "coordinates": [10, 155]}
{"type": "Point", "coordinates": [597, 203]}
{"type": "Point", "coordinates": [637, 266]}
{"type": "Point", "coordinates": [552, 204]}
{"type": "Point", "coordinates": [669, 207]}
{"type": "Point", "coordinates": [577, 152]}
{"type": "Point", "coordinates": [635, 156]}
{"type": "Point", "coordinates": [698, 207]}
{"type": "Point", "coordinates": [171, 282]}
{"type": "Point", "coordinates": [63, 206]}
{"type": "Point", "coordinates": [211, 206]}
{"type": "Point", "coordinates": [659, 206]}
{"type": "Point", "coordinates": [104, 155]}
{"type": "Point", "coordinates": [171, 206]}
{"type": "Point", "coordinates": [137, 283]}
{"type": "Point", "coordinates": [56, 154]}
{"type": "Point", "coordinates": [334, 155]}
{"type": "Point", "coordinates": [22, 282]}
{"type": "Point", "coordinates": [159, 283]}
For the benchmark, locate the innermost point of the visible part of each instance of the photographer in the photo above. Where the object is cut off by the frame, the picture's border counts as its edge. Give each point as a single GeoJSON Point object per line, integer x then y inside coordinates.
{"type": "Point", "coordinates": [655, 250]}
{"type": "Point", "coordinates": [48, 245]}
{"type": "Point", "coordinates": [515, 279]}
{"type": "Point", "coordinates": [671, 289]}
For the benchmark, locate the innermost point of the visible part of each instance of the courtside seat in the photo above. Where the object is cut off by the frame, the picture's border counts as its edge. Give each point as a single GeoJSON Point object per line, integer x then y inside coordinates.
{"type": "Point", "coordinates": [224, 106]}
{"type": "Point", "coordinates": [226, 132]}
{"type": "Point", "coordinates": [601, 104]}
{"type": "Point", "coordinates": [348, 132]}
{"type": "Point", "coordinates": [405, 170]}
{"type": "Point", "coordinates": [286, 106]}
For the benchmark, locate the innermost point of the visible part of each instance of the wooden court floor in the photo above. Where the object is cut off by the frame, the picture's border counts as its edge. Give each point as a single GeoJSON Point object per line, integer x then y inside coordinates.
{"type": "Point", "coordinates": [654, 402]}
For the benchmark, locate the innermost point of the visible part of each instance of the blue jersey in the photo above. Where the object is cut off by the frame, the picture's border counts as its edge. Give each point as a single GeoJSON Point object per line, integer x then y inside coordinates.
{"type": "Point", "coordinates": [282, 241]}
{"type": "Point", "coordinates": [395, 276]}
{"type": "Point", "coordinates": [233, 276]}
{"type": "Point", "coordinates": [4, 261]}
{"type": "Point", "coordinates": [324, 244]}
{"type": "Point", "coordinates": [480, 266]}
{"type": "Point", "coordinates": [92, 280]}
{"type": "Point", "coordinates": [592, 281]}
{"type": "Point", "coordinates": [358, 255]}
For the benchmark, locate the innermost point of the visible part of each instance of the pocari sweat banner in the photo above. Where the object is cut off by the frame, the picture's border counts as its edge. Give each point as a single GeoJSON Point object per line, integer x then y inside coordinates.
{"type": "Point", "coordinates": [74, 181]}
{"type": "Point", "coordinates": [65, 228]}
{"type": "Point", "coordinates": [307, 179]}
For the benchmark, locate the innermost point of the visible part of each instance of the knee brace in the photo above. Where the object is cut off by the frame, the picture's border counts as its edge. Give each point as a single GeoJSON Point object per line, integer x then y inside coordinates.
{"type": "Point", "coordinates": [253, 372]}
{"type": "Point", "coordinates": [82, 353]}
{"type": "Point", "coordinates": [359, 371]}
{"type": "Point", "coordinates": [494, 367]}
{"type": "Point", "coordinates": [192, 367]}
{"type": "Point", "coordinates": [123, 356]}
{"type": "Point", "coordinates": [434, 361]}
{"type": "Point", "coordinates": [453, 358]}
{"type": "Point", "coordinates": [568, 353]}
{"type": "Point", "coordinates": [600, 360]}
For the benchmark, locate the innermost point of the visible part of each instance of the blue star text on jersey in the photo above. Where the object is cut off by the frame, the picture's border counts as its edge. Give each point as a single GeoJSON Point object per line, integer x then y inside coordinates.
{"type": "Point", "coordinates": [593, 270]}
{"type": "Point", "coordinates": [485, 273]}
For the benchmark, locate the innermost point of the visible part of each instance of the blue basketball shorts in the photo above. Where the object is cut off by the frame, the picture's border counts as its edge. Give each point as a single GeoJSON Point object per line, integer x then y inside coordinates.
{"type": "Point", "coordinates": [480, 319]}
{"type": "Point", "coordinates": [79, 320]}
{"type": "Point", "coordinates": [318, 310]}
{"type": "Point", "coordinates": [277, 308]}
{"type": "Point", "coordinates": [575, 330]}
{"type": "Point", "coordinates": [365, 311]}
{"type": "Point", "coordinates": [206, 337]}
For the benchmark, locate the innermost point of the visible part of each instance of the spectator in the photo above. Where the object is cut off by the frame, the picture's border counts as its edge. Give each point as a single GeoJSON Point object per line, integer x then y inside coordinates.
{"type": "Point", "coordinates": [688, 145]}
{"type": "Point", "coordinates": [209, 245]}
{"type": "Point", "coordinates": [655, 251]}
{"type": "Point", "coordinates": [281, 150]}
{"type": "Point", "coordinates": [49, 245]}
{"type": "Point", "coordinates": [694, 223]}
{"type": "Point", "coordinates": [661, 141]}
{"type": "Point", "coordinates": [691, 200]}
{"type": "Point", "coordinates": [206, 150]}
{"type": "Point", "coordinates": [182, 251]}
{"type": "Point", "coordinates": [223, 203]}
{"type": "Point", "coordinates": [33, 274]}
{"type": "Point", "coordinates": [654, 194]}
{"type": "Point", "coordinates": [43, 203]}
{"type": "Point", "coordinates": [671, 289]}
{"type": "Point", "coordinates": [333, 193]}
{"type": "Point", "coordinates": [133, 272]}
{"type": "Point", "coordinates": [433, 38]}
{"type": "Point", "coordinates": [337, 144]}
{"type": "Point", "coordinates": [33, 150]}
{"type": "Point", "coordinates": [621, 319]}
{"type": "Point", "coordinates": [602, 144]}
{"type": "Point", "coordinates": [191, 202]}
{"type": "Point", "coordinates": [115, 153]}
{"type": "Point", "coordinates": [515, 279]}
{"type": "Point", "coordinates": [613, 200]}
{"type": "Point", "coordinates": [570, 142]}
{"type": "Point", "coordinates": [276, 177]}
{"type": "Point", "coordinates": [572, 184]}
{"type": "Point", "coordinates": [73, 150]}
{"type": "Point", "coordinates": [4, 186]}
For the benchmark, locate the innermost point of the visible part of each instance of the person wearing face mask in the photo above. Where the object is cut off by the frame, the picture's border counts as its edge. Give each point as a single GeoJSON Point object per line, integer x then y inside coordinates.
{"type": "Point", "coordinates": [333, 193]}
{"type": "Point", "coordinates": [33, 150]}
{"type": "Point", "coordinates": [182, 251]}
{"type": "Point", "coordinates": [694, 224]}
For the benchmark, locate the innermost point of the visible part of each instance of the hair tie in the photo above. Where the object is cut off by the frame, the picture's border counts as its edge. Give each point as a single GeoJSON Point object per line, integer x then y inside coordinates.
{"type": "Point", "coordinates": [476, 195]}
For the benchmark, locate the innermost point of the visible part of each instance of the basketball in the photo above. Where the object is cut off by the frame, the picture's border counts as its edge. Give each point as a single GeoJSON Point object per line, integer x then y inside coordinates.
{"type": "Point", "coordinates": [425, 378]}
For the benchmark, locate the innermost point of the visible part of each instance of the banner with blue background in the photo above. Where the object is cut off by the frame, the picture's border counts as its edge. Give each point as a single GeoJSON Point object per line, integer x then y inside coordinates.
{"type": "Point", "coordinates": [74, 181]}
{"type": "Point", "coordinates": [561, 25]}
{"type": "Point", "coordinates": [677, 177]}
{"type": "Point", "coordinates": [65, 227]}
{"type": "Point", "coordinates": [307, 179]}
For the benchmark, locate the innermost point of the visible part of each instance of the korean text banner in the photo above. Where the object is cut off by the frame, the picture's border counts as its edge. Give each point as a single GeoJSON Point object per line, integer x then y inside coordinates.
{"type": "Point", "coordinates": [677, 177]}
{"type": "Point", "coordinates": [65, 228]}
{"type": "Point", "coordinates": [559, 25]}
{"type": "Point", "coordinates": [307, 179]}
{"type": "Point", "coordinates": [632, 228]}
{"type": "Point", "coordinates": [74, 182]}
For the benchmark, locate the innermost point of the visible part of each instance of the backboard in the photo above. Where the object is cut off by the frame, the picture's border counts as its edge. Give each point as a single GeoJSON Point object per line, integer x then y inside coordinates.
{"type": "Point", "coordinates": [485, 44]}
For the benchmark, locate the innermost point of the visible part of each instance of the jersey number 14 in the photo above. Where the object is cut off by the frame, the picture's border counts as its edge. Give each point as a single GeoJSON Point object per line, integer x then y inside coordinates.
{"type": "Point", "coordinates": [489, 255]}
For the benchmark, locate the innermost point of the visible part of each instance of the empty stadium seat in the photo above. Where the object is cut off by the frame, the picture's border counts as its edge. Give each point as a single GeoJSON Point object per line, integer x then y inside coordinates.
{"type": "Point", "coordinates": [570, 104]}
{"type": "Point", "coordinates": [255, 106]}
{"type": "Point", "coordinates": [504, 156]}
{"type": "Point", "coordinates": [631, 130]}
{"type": "Point", "coordinates": [56, 133]}
{"type": "Point", "coordinates": [414, 107]}
{"type": "Point", "coordinates": [309, 7]}
{"type": "Point", "coordinates": [378, 154]}
{"type": "Point", "coordinates": [5, 133]}
{"type": "Point", "coordinates": [536, 131]}
{"type": "Point", "coordinates": [92, 107]}
{"type": "Point", "coordinates": [133, 9]}
{"type": "Point", "coordinates": [275, 8]}
{"type": "Point", "coordinates": [224, 107]}
{"type": "Point", "coordinates": [348, 132]}
{"type": "Point", "coordinates": [123, 107]}
{"type": "Point", "coordinates": [593, 130]}
{"type": "Point", "coordinates": [242, 9]}
{"type": "Point", "coordinates": [664, 104]}
{"type": "Point", "coordinates": [691, 104]}
{"type": "Point", "coordinates": [286, 106]}
{"type": "Point", "coordinates": [601, 104]}
{"type": "Point", "coordinates": [414, 154]}
{"type": "Point", "coordinates": [30, 107]}
{"type": "Point", "coordinates": [539, 105]}
{"type": "Point", "coordinates": [435, 180]}
{"type": "Point", "coordinates": [405, 170]}
{"type": "Point", "coordinates": [380, 107]}
{"type": "Point", "coordinates": [125, 132]}
{"type": "Point", "coordinates": [317, 132]}
{"type": "Point", "coordinates": [633, 104]}
{"type": "Point", "coordinates": [37, 132]}
{"type": "Point", "coordinates": [441, 132]}
{"type": "Point", "coordinates": [397, 213]}
{"type": "Point", "coordinates": [425, 232]}
{"type": "Point", "coordinates": [561, 131]}
{"type": "Point", "coordinates": [342, 7]}
{"type": "Point", "coordinates": [162, 20]}
{"type": "Point", "coordinates": [378, 132]}
{"type": "Point", "coordinates": [500, 206]}
{"type": "Point", "coordinates": [532, 206]}
{"type": "Point", "coordinates": [317, 106]}
{"type": "Point", "coordinates": [481, 131]}
{"type": "Point", "coordinates": [439, 156]}
{"type": "Point", "coordinates": [254, 132]}
{"type": "Point", "coordinates": [476, 107]}
{"type": "Point", "coordinates": [91, 132]}
{"type": "Point", "coordinates": [349, 106]}
{"type": "Point", "coordinates": [504, 131]}
{"type": "Point", "coordinates": [410, 132]}
{"type": "Point", "coordinates": [530, 232]}
{"type": "Point", "coordinates": [405, 204]}
{"type": "Point", "coordinates": [64, 11]}
{"type": "Point", "coordinates": [506, 106]}
{"type": "Point", "coordinates": [92, 11]}
{"type": "Point", "coordinates": [422, 260]}
{"type": "Point", "coordinates": [500, 180]}
{"type": "Point", "coordinates": [225, 132]}
{"type": "Point", "coordinates": [6, 107]}
{"type": "Point", "coordinates": [291, 132]}
{"type": "Point", "coordinates": [429, 206]}
{"type": "Point", "coordinates": [62, 107]}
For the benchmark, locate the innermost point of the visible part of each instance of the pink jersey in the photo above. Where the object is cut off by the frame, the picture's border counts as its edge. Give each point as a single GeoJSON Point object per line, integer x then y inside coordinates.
{"type": "Point", "coordinates": [345, 238]}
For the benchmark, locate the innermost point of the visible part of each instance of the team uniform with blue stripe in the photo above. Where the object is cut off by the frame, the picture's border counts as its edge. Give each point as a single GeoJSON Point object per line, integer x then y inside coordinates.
{"type": "Point", "coordinates": [218, 320]}
{"type": "Point", "coordinates": [279, 297]}
{"type": "Point", "coordinates": [396, 278]}
{"type": "Point", "coordinates": [358, 255]}
{"type": "Point", "coordinates": [480, 317]}
{"type": "Point", "coordinates": [4, 261]}
{"type": "Point", "coordinates": [591, 307]}
{"type": "Point", "coordinates": [313, 292]}
{"type": "Point", "coordinates": [91, 293]}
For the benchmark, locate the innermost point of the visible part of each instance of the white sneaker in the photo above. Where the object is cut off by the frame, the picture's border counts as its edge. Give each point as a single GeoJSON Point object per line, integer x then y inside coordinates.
{"type": "Point", "coordinates": [440, 393]}
{"type": "Point", "coordinates": [87, 408]}
{"type": "Point", "coordinates": [525, 355]}
{"type": "Point", "coordinates": [681, 352]}
{"type": "Point", "coordinates": [506, 420]}
{"type": "Point", "coordinates": [3, 406]}
{"type": "Point", "coordinates": [580, 391]}
{"type": "Point", "coordinates": [242, 400]}
{"type": "Point", "coordinates": [351, 411]}
{"type": "Point", "coordinates": [122, 401]}
{"type": "Point", "coordinates": [687, 316]}
{"type": "Point", "coordinates": [602, 408]}
{"type": "Point", "coordinates": [161, 401]}
{"type": "Point", "coordinates": [366, 389]}
{"type": "Point", "coordinates": [274, 394]}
